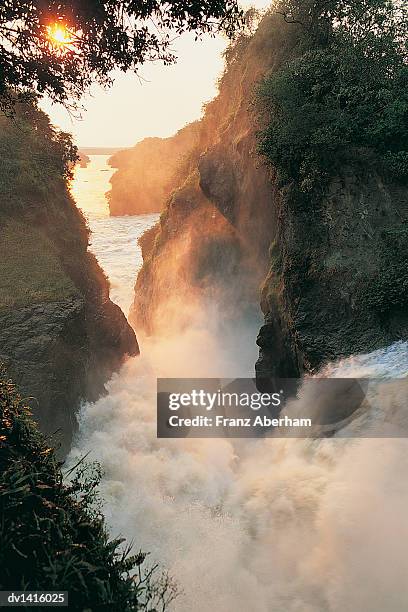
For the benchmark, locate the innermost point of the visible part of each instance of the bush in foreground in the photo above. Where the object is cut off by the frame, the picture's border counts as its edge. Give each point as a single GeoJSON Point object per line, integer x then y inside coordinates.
{"type": "Point", "coordinates": [52, 535]}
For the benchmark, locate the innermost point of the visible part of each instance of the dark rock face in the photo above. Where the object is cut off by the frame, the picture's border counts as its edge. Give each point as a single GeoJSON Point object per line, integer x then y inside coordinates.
{"type": "Point", "coordinates": [338, 282]}
{"type": "Point", "coordinates": [62, 353]}
{"type": "Point", "coordinates": [41, 349]}
{"type": "Point", "coordinates": [331, 269]}
{"type": "Point", "coordinates": [61, 337]}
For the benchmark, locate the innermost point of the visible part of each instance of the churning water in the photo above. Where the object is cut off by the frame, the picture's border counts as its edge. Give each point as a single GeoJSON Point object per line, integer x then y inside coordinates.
{"type": "Point", "coordinates": [252, 525]}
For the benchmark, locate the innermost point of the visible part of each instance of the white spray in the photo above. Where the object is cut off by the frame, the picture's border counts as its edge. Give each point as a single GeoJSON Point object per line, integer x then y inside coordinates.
{"type": "Point", "coordinates": [257, 525]}
{"type": "Point", "coordinates": [264, 525]}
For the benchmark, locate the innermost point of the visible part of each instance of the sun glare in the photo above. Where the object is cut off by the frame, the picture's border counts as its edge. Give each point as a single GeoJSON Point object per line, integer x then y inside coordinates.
{"type": "Point", "coordinates": [59, 35]}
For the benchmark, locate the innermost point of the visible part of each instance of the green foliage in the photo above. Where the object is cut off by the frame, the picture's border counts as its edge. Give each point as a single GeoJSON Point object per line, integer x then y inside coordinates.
{"type": "Point", "coordinates": [32, 152]}
{"type": "Point", "coordinates": [345, 91]}
{"type": "Point", "coordinates": [52, 535]}
{"type": "Point", "coordinates": [102, 36]}
{"type": "Point", "coordinates": [36, 163]}
{"type": "Point", "coordinates": [30, 269]}
{"type": "Point", "coordinates": [388, 290]}
{"type": "Point", "coordinates": [39, 223]}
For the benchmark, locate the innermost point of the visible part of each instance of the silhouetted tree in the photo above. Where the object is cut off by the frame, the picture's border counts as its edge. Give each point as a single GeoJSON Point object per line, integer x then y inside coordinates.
{"type": "Point", "coordinates": [59, 47]}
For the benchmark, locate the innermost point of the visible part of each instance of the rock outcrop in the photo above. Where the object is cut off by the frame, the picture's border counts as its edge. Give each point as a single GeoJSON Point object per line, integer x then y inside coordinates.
{"type": "Point", "coordinates": [338, 282]}
{"type": "Point", "coordinates": [211, 243]}
{"type": "Point", "coordinates": [84, 159]}
{"type": "Point", "coordinates": [147, 173]}
{"type": "Point", "coordinates": [61, 337]}
{"type": "Point", "coordinates": [332, 274]}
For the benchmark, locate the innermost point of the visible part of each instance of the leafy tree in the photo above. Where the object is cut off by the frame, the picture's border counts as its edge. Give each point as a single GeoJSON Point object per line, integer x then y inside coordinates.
{"type": "Point", "coordinates": [343, 92]}
{"type": "Point", "coordinates": [52, 533]}
{"type": "Point", "coordinates": [59, 47]}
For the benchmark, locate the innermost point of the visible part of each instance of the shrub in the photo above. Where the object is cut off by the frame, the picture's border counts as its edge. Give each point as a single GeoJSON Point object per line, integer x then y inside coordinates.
{"type": "Point", "coordinates": [52, 535]}
{"type": "Point", "coordinates": [344, 91]}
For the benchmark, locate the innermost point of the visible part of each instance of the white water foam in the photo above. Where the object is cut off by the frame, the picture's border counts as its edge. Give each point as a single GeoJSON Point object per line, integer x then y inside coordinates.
{"type": "Point", "coordinates": [264, 525]}
{"type": "Point", "coordinates": [254, 525]}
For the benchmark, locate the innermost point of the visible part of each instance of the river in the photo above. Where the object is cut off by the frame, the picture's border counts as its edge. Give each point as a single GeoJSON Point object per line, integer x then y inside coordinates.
{"type": "Point", "coordinates": [113, 239]}
{"type": "Point", "coordinates": [255, 525]}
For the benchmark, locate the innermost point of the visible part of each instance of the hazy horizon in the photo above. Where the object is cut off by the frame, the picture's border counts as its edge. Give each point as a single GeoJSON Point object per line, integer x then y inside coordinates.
{"type": "Point", "coordinates": [158, 102]}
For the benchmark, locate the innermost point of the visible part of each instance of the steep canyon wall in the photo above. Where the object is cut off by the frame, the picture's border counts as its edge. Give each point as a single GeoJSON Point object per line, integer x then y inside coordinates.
{"type": "Point", "coordinates": [328, 271]}
{"type": "Point", "coordinates": [61, 337]}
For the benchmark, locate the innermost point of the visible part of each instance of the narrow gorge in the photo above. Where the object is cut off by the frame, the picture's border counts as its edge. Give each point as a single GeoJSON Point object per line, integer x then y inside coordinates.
{"type": "Point", "coordinates": [270, 524]}
{"type": "Point", "coordinates": [330, 256]}
{"type": "Point", "coordinates": [266, 239]}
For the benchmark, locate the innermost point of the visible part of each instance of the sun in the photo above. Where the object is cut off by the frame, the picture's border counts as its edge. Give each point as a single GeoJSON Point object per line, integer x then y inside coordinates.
{"type": "Point", "coordinates": [59, 35]}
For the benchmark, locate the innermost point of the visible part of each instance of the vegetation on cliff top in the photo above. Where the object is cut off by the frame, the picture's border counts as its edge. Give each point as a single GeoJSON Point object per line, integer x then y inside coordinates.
{"type": "Point", "coordinates": [341, 91]}
{"type": "Point", "coordinates": [333, 111]}
{"type": "Point", "coordinates": [52, 534]}
{"type": "Point", "coordinates": [37, 214]}
{"type": "Point", "coordinates": [34, 155]}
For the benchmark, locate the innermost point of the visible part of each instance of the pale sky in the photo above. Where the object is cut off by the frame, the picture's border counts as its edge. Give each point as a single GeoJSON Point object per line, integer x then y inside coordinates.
{"type": "Point", "coordinates": [166, 99]}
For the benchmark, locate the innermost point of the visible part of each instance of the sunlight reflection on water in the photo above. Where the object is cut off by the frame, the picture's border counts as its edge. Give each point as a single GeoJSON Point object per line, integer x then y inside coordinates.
{"type": "Point", "coordinates": [113, 239]}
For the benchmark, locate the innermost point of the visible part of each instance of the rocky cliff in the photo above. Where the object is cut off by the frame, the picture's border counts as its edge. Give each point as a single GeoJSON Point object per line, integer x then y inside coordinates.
{"type": "Point", "coordinates": [337, 283]}
{"type": "Point", "coordinates": [330, 264]}
{"type": "Point", "coordinates": [60, 335]}
{"type": "Point", "coordinates": [211, 243]}
{"type": "Point", "coordinates": [147, 173]}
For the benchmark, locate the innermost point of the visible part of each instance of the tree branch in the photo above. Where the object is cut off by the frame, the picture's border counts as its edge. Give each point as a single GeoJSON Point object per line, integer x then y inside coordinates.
{"type": "Point", "coordinates": [288, 19]}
